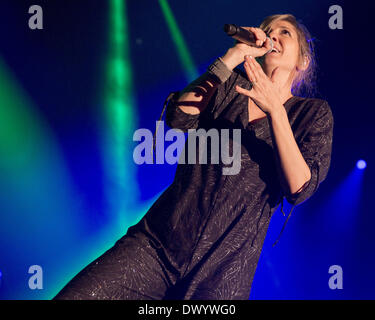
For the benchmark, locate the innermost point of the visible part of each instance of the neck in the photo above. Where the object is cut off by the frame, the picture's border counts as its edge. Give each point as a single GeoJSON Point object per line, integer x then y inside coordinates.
{"type": "Point", "coordinates": [283, 80]}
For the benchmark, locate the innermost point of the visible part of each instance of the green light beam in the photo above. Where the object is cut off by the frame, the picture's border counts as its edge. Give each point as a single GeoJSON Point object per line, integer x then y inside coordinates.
{"type": "Point", "coordinates": [41, 214]}
{"type": "Point", "coordinates": [190, 69]}
{"type": "Point", "coordinates": [119, 104]}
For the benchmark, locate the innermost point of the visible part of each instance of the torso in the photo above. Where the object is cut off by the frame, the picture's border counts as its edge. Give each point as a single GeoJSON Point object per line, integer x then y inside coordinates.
{"type": "Point", "coordinates": [254, 112]}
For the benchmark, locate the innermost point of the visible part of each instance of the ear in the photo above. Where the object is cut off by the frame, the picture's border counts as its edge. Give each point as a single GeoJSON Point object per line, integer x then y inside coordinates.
{"type": "Point", "coordinates": [304, 65]}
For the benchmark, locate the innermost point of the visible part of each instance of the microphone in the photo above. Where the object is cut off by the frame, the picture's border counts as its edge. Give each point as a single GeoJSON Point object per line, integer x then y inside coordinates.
{"type": "Point", "coordinates": [243, 35]}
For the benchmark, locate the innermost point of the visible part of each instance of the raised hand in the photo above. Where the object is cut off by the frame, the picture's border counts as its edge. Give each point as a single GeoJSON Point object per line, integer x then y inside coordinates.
{"type": "Point", "coordinates": [236, 55]}
{"type": "Point", "coordinates": [264, 92]}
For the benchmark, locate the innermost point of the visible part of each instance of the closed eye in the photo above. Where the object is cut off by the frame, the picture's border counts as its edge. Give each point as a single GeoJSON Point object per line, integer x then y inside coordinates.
{"type": "Point", "coordinates": [285, 31]}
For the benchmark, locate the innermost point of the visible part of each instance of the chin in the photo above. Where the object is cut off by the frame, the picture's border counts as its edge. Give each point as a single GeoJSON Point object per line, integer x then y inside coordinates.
{"type": "Point", "coordinates": [273, 62]}
{"type": "Point", "coordinates": [270, 64]}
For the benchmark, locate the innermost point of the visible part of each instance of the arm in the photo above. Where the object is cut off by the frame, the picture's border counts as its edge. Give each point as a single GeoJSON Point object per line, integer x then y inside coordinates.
{"type": "Point", "coordinates": [294, 167]}
{"type": "Point", "coordinates": [301, 167]}
{"type": "Point", "coordinates": [316, 148]}
{"type": "Point", "coordinates": [266, 95]}
{"type": "Point", "coordinates": [195, 97]}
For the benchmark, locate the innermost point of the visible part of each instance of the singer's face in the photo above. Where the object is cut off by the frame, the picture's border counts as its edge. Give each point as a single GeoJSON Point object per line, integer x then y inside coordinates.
{"type": "Point", "coordinates": [285, 40]}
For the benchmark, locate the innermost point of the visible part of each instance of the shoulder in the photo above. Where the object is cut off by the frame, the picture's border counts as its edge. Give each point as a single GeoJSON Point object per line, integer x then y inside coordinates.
{"type": "Point", "coordinates": [313, 108]}
{"type": "Point", "coordinates": [320, 105]}
{"type": "Point", "coordinates": [310, 116]}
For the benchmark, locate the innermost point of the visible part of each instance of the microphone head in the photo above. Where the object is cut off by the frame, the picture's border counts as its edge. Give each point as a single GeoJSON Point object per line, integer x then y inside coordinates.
{"type": "Point", "coordinates": [230, 29]}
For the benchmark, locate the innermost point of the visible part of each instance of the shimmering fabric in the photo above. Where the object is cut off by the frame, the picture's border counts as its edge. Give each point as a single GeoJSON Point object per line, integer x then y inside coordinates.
{"type": "Point", "coordinates": [203, 237]}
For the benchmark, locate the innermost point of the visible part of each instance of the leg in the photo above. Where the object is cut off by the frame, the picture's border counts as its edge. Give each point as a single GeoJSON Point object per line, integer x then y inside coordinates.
{"type": "Point", "coordinates": [131, 270]}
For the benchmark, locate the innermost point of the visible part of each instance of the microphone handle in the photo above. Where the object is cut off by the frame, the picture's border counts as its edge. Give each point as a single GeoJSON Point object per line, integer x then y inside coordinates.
{"type": "Point", "coordinates": [240, 34]}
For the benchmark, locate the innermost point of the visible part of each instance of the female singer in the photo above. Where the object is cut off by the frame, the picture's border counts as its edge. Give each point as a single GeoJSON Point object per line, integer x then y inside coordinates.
{"type": "Point", "coordinates": [203, 237]}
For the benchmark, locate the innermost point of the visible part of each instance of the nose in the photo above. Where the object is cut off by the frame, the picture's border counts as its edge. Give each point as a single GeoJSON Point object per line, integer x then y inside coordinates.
{"type": "Point", "coordinates": [273, 36]}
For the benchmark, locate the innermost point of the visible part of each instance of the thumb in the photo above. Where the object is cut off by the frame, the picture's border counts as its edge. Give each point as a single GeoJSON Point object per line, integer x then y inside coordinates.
{"type": "Point", "coordinates": [268, 44]}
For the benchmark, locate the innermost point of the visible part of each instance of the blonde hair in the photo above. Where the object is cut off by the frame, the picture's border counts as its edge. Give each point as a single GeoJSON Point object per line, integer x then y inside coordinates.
{"type": "Point", "coordinates": [304, 81]}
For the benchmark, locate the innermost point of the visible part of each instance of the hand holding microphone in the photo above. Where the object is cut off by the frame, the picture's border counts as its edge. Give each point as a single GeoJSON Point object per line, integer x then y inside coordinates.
{"type": "Point", "coordinates": [250, 41]}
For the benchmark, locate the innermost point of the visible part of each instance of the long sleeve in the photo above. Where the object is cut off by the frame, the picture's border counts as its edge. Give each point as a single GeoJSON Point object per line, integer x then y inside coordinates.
{"type": "Point", "coordinates": [316, 149]}
{"type": "Point", "coordinates": [176, 118]}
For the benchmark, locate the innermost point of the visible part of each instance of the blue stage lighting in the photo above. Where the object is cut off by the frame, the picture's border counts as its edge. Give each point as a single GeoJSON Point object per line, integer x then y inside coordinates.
{"type": "Point", "coordinates": [361, 164]}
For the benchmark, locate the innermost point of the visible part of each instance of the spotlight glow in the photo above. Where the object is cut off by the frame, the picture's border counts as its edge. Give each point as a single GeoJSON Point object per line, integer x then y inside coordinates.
{"type": "Point", "coordinates": [361, 164]}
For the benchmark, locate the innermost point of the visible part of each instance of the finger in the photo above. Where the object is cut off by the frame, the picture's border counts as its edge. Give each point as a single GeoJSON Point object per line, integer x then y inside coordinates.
{"type": "Point", "coordinates": [260, 36]}
{"type": "Point", "coordinates": [243, 91]}
{"type": "Point", "coordinates": [258, 42]}
{"type": "Point", "coordinates": [255, 73]}
{"type": "Point", "coordinates": [268, 44]}
{"type": "Point", "coordinates": [256, 68]}
{"type": "Point", "coordinates": [250, 73]}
